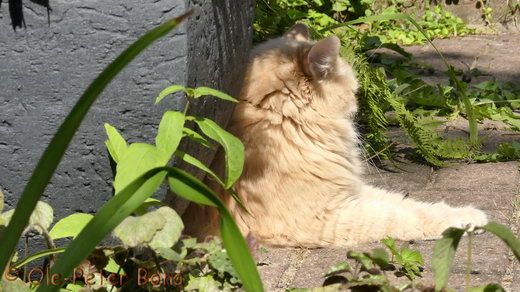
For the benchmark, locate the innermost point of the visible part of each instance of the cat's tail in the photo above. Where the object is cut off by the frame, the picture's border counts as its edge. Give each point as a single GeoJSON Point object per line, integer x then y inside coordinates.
{"type": "Point", "coordinates": [376, 213]}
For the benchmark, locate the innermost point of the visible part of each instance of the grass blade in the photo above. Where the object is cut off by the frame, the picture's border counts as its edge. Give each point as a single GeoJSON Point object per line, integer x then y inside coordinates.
{"type": "Point", "coordinates": [106, 219]}
{"type": "Point", "coordinates": [443, 254]}
{"type": "Point", "coordinates": [50, 159]}
{"type": "Point", "coordinates": [190, 188]}
{"type": "Point", "coordinates": [37, 256]}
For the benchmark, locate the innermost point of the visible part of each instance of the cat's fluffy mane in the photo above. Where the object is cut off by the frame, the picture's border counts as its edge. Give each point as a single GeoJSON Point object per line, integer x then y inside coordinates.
{"type": "Point", "coordinates": [302, 178]}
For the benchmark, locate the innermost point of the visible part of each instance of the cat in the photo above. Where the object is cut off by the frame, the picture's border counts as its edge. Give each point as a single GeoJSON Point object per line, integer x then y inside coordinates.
{"type": "Point", "coordinates": [303, 175]}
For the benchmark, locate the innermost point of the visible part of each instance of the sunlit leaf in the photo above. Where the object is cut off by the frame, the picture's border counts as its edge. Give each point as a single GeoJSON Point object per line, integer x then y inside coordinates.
{"type": "Point", "coordinates": [200, 91]}
{"type": "Point", "coordinates": [70, 226]}
{"type": "Point", "coordinates": [116, 144]}
{"type": "Point", "coordinates": [232, 146]}
{"type": "Point", "coordinates": [443, 254]}
{"type": "Point", "coordinates": [170, 132]}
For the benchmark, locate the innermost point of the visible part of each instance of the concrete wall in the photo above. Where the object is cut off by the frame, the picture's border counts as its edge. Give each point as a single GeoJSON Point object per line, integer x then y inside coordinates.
{"type": "Point", "coordinates": [44, 69]}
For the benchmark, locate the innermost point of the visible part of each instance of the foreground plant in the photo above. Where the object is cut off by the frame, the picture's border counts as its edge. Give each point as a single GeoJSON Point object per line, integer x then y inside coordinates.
{"type": "Point", "coordinates": [133, 187]}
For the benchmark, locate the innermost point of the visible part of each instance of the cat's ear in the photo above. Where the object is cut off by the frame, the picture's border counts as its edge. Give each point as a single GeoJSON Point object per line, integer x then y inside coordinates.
{"type": "Point", "coordinates": [299, 32]}
{"type": "Point", "coordinates": [322, 57]}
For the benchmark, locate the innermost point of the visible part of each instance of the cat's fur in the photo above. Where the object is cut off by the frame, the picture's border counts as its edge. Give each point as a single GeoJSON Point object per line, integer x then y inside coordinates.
{"type": "Point", "coordinates": [303, 177]}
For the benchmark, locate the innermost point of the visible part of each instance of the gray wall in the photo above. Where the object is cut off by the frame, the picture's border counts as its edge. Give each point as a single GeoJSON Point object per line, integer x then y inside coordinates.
{"type": "Point", "coordinates": [44, 69]}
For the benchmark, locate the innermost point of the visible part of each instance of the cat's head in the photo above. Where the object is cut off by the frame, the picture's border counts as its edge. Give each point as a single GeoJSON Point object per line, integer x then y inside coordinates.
{"type": "Point", "coordinates": [294, 70]}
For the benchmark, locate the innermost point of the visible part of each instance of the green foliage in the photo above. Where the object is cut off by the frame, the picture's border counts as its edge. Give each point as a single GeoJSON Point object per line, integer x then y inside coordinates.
{"type": "Point", "coordinates": [140, 171]}
{"type": "Point", "coordinates": [54, 152]}
{"type": "Point", "coordinates": [273, 17]}
{"type": "Point", "coordinates": [411, 261]}
{"type": "Point", "coordinates": [418, 107]}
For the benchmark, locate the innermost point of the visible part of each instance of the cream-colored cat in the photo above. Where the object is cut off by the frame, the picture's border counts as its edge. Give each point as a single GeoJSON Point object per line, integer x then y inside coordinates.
{"type": "Point", "coordinates": [303, 176]}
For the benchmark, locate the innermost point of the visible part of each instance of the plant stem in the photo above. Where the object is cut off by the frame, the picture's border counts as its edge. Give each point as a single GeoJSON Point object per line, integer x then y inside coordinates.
{"type": "Point", "coordinates": [469, 265]}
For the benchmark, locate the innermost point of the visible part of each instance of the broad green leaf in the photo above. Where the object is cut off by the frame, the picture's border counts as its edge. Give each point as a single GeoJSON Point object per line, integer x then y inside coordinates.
{"type": "Point", "coordinates": [116, 144]}
{"type": "Point", "coordinates": [197, 163]}
{"type": "Point", "coordinates": [14, 285]}
{"type": "Point", "coordinates": [220, 261]}
{"type": "Point", "coordinates": [37, 255]}
{"type": "Point", "coordinates": [70, 226]}
{"type": "Point", "coordinates": [411, 256]}
{"type": "Point", "coordinates": [203, 284]}
{"type": "Point", "coordinates": [54, 152]}
{"type": "Point", "coordinates": [187, 132]}
{"type": "Point", "coordinates": [443, 254]}
{"type": "Point", "coordinates": [390, 244]}
{"type": "Point", "coordinates": [159, 228]}
{"type": "Point", "coordinates": [169, 90]}
{"type": "Point", "coordinates": [113, 267]}
{"type": "Point", "coordinates": [192, 189]}
{"type": "Point", "coordinates": [232, 146]}
{"type": "Point", "coordinates": [138, 159]}
{"type": "Point", "coordinates": [338, 269]}
{"type": "Point", "coordinates": [200, 91]}
{"type": "Point", "coordinates": [73, 287]}
{"type": "Point", "coordinates": [363, 258]}
{"type": "Point", "coordinates": [507, 236]}
{"type": "Point", "coordinates": [169, 254]}
{"type": "Point", "coordinates": [170, 132]}
{"type": "Point", "coordinates": [493, 287]}
{"type": "Point", "coordinates": [106, 219]}
{"type": "Point", "coordinates": [380, 257]}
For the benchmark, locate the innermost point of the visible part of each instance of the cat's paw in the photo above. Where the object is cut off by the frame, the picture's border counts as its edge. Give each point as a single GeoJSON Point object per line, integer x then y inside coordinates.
{"type": "Point", "coordinates": [458, 218]}
{"type": "Point", "coordinates": [468, 217]}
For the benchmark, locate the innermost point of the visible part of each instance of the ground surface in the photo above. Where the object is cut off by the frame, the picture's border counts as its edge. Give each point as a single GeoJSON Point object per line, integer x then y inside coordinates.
{"type": "Point", "coordinates": [493, 187]}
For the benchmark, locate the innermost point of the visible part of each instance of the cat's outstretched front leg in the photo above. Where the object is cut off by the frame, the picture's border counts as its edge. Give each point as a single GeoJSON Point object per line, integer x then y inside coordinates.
{"type": "Point", "coordinates": [376, 213]}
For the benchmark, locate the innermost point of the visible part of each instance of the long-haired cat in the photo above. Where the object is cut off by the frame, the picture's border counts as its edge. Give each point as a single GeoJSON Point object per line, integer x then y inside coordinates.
{"type": "Point", "coordinates": [303, 176]}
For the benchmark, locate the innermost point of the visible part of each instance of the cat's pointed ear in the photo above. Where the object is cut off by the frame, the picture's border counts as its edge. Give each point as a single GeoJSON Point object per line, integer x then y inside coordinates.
{"type": "Point", "coordinates": [299, 32]}
{"type": "Point", "coordinates": [322, 57]}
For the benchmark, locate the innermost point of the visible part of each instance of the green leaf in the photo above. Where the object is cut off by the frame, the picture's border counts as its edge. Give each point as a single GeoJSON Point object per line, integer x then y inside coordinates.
{"type": "Point", "coordinates": [338, 269]}
{"type": "Point", "coordinates": [232, 146]}
{"type": "Point", "coordinates": [363, 258]}
{"type": "Point", "coordinates": [203, 284]}
{"type": "Point", "coordinates": [197, 163]}
{"type": "Point", "coordinates": [113, 267]}
{"type": "Point", "coordinates": [106, 219]}
{"type": "Point", "coordinates": [219, 261]}
{"type": "Point", "coordinates": [411, 256]}
{"type": "Point", "coordinates": [187, 132]}
{"type": "Point", "coordinates": [503, 232]}
{"type": "Point", "coordinates": [159, 228]}
{"type": "Point", "coordinates": [192, 189]}
{"type": "Point", "coordinates": [116, 144]}
{"type": "Point", "coordinates": [380, 257]}
{"type": "Point", "coordinates": [169, 90]}
{"type": "Point", "coordinates": [200, 91]}
{"type": "Point", "coordinates": [169, 254]}
{"type": "Point", "coordinates": [138, 159]}
{"type": "Point", "coordinates": [170, 132]}
{"type": "Point", "coordinates": [54, 152]}
{"type": "Point", "coordinates": [390, 244]}
{"type": "Point", "coordinates": [16, 285]}
{"type": "Point", "coordinates": [443, 254]}
{"type": "Point", "coordinates": [70, 226]}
